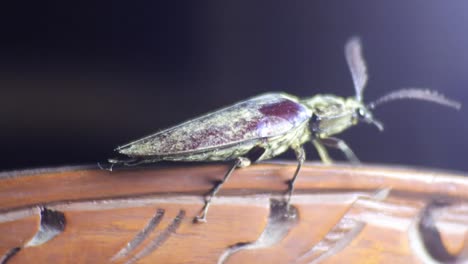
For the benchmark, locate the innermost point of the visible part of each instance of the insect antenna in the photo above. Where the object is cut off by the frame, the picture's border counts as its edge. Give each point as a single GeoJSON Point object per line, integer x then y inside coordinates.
{"type": "Point", "coordinates": [415, 94]}
{"type": "Point", "coordinates": [357, 65]}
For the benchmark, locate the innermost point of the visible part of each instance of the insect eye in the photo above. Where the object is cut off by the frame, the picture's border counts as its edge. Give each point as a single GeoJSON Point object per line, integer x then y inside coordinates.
{"type": "Point", "coordinates": [360, 114]}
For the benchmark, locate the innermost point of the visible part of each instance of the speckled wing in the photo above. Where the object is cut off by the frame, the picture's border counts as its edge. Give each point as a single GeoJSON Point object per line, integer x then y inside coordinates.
{"type": "Point", "coordinates": [264, 116]}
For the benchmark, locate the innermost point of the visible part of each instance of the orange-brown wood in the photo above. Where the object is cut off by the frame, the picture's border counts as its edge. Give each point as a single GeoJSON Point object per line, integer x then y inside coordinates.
{"type": "Point", "coordinates": [363, 214]}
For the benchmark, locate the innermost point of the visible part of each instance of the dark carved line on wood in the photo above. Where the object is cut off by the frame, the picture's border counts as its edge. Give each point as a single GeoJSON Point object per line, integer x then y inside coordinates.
{"type": "Point", "coordinates": [141, 236]}
{"type": "Point", "coordinates": [159, 240]}
{"type": "Point", "coordinates": [52, 223]}
{"type": "Point", "coordinates": [5, 258]}
{"type": "Point", "coordinates": [426, 241]}
{"type": "Point", "coordinates": [280, 221]}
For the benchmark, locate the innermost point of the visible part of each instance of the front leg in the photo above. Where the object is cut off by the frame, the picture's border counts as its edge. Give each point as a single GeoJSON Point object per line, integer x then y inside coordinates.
{"type": "Point", "coordinates": [341, 145]}
{"type": "Point", "coordinates": [301, 156]}
{"type": "Point", "coordinates": [322, 151]}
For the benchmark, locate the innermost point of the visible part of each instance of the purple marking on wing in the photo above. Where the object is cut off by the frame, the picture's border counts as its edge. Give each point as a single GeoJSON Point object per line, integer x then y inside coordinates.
{"type": "Point", "coordinates": [285, 109]}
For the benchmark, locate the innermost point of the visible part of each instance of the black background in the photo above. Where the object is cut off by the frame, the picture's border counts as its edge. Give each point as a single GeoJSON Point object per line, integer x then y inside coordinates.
{"type": "Point", "coordinates": [79, 78]}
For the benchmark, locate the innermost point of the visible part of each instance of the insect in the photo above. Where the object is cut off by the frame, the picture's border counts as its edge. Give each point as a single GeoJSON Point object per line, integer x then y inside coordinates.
{"type": "Point", "coordinates": [267, 125]}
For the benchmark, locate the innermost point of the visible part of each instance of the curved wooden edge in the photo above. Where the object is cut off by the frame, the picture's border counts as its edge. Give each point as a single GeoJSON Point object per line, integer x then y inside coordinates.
{"type": "Point", "coordinates": [341, 212]}
{"type": "Point", "coordinates": [76, 183]}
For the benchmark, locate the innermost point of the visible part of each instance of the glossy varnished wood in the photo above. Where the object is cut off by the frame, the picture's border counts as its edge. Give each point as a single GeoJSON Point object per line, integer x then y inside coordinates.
{"type": "Point", "coordinates": [106, 210]}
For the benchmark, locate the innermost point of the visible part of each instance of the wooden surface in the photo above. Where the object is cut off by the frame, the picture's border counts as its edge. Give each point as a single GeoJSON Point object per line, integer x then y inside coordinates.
{"type": "Point", "coordinates": [339, 214]}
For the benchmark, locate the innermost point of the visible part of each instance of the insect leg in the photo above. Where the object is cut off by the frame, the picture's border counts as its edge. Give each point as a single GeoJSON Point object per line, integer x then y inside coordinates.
{"type": "Point", "coordinates": [239, 162]}
{"type": "Point", "coordinates": [130, 162]}
{"type": "Point", "coordinates": [322, 151]}
{"type": "Point", "coordinates": [301, 156]}
{"type": "Point", "coordinates": [341, 145]}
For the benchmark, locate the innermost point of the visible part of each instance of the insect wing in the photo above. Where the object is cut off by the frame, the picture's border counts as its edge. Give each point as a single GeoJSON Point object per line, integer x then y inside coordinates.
{"type": "Point", "coordinates": [263, 116]}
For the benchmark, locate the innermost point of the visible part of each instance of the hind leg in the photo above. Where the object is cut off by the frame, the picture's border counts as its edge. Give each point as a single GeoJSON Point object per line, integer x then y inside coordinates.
{"type": "Point", "coordinates": [239, 163]}
{"type": "Point", "coordinates": [130, 162]}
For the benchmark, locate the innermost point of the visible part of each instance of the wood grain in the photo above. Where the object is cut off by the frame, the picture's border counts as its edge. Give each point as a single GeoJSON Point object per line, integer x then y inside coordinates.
{"type": "Point", "coordinates": [362, 214]}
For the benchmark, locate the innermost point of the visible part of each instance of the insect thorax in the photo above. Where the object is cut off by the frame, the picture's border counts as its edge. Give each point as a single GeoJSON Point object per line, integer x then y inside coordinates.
{"type": "Point", "coordinates": [331, 114]}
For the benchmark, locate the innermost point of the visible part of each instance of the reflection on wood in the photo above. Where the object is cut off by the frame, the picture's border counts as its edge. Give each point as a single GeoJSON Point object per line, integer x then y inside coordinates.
{"type": "Point", "coordinates": [341, 214]}
{"type": "Point", "coordinates": [280, 221]}
{"type": "Point", "coordinates": [340, 235]}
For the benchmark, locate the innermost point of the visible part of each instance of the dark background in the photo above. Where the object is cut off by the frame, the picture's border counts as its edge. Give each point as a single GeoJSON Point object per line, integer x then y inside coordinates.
{"type": "Point", "coordinates": [79, 78]}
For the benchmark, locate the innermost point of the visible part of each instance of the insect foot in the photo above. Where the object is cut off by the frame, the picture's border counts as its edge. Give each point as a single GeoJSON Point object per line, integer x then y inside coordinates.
{"type": "Point", "coordinates": [108, 168]}
{"type": "Point", "coordinates": [202, 218]}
